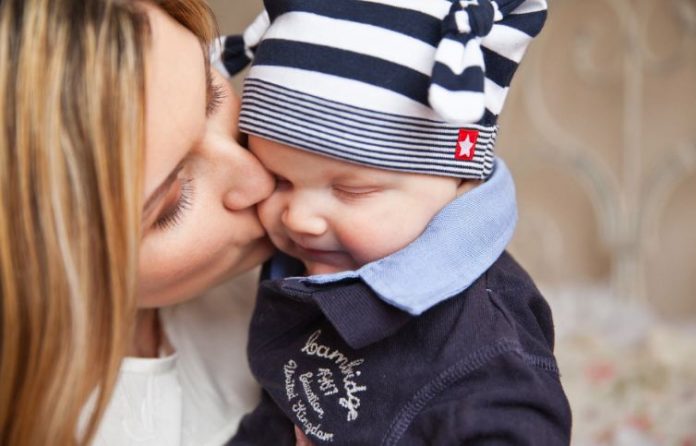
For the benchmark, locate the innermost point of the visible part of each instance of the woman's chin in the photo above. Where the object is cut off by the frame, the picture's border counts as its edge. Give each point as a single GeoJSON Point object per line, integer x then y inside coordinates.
{"type": "Point", "coordinates": [257, 253]}
{"type": "Point", "coordinates": [175, 288]}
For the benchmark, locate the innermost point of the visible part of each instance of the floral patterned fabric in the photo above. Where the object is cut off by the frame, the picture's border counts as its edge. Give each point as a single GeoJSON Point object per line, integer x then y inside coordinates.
{"type": "Point", "coordinates": [630, 378]}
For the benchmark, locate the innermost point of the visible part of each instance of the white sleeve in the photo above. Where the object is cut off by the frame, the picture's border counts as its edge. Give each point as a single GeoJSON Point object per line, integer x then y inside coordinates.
{"type": "Point", "coordinates": [209, 334]}
{"type": "Point", "coordinates": [145, 407]}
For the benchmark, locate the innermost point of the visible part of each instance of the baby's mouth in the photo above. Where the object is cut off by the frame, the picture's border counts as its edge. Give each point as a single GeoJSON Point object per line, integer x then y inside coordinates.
{"type": "Point", "coordinates": [308, 253]}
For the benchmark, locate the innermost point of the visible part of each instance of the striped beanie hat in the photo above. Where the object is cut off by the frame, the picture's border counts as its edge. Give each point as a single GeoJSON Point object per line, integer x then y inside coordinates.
{"type": "Point", "coordinates": [410, 85]}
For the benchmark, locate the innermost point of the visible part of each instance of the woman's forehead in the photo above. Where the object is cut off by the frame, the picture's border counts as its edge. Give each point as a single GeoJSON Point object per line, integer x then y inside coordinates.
{"type": "Point", "coordinates": [175, 96]}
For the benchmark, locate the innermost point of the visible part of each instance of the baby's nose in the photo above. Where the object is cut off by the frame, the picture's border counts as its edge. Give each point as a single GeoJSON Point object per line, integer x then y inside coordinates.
{"type": "Point", "coordinates": [302, 218]}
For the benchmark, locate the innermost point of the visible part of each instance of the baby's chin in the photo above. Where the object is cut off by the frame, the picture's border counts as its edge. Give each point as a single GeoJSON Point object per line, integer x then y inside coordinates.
{"type": "Point", "coordinates": [315, 269]}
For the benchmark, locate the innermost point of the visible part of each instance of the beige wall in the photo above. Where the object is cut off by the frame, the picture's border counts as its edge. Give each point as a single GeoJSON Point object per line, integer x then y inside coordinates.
{"type": "Point", "coordinates": [600, 133]}
{"type": "Point", "coordinates": [234, 15]}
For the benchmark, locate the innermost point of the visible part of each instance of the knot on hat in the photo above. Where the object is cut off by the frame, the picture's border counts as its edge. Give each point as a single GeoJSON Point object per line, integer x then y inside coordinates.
{"type": "Point", "coordinates": [238, 50]}
{"type": "Point", "coordinates": [474, 17]}
{"type": "Point", "coordinates": [457, 85]}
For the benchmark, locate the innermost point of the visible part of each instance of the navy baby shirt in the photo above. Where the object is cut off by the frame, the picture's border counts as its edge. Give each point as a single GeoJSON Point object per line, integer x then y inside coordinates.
{"type": "Point", "coordinates": [350, 367]}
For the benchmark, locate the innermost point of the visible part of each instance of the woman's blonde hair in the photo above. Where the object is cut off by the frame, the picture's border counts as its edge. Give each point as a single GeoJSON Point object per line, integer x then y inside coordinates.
{"type": "Point", "coordinates": [72, 108]}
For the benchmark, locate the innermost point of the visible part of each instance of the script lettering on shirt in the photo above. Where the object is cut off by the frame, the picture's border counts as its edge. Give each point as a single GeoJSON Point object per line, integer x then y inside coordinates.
{"type": "Point", "coordinates": [349, 371]}
{"type": "Point", "coordinates": [312, 398]}
{"type": "Point", "coordinates": [313, 348]}
{"type": "Point", "coordinates": [350, 401]}
{"type": "Point", "coordinates": [310, 428]}
{"type": "Point", "coordinates": [326, 382]}
{"type": "Point", "coordinates": [289, 371]}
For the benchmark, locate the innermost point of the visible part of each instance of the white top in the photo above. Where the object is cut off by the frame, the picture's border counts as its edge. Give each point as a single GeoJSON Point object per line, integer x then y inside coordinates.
{"type": "Point", "coordinates": [197, 396]}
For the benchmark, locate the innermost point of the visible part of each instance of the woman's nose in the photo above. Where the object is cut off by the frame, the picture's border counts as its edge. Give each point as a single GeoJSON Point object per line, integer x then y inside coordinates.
{"type": "Point", "coordinates": [250, 184]}
{"type": "Point", "coordinates": [301, 217]}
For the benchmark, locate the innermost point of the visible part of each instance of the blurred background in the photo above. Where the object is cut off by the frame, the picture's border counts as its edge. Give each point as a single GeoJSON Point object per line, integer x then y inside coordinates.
{"type": "Point", "coordinates": [600, 134]}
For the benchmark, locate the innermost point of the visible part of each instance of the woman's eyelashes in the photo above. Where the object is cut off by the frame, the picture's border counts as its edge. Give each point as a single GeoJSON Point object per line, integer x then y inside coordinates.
{"type": "Point", "coordinates": [173, 213]}
{"type": "Point", "coordinates": [216, 94]}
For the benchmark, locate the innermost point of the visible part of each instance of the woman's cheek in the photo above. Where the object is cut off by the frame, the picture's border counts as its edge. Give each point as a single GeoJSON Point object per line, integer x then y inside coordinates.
{"type": "Point", "coordinates": [173, 258]}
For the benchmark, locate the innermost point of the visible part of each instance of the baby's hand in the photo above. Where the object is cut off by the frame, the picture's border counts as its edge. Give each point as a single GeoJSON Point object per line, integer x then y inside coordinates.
{"type": "Point", "coordinates": [301, 438]}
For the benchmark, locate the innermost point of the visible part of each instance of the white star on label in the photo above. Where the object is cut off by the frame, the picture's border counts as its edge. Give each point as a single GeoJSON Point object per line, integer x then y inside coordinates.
{"type": "Point", "coordinates": [465, 148]}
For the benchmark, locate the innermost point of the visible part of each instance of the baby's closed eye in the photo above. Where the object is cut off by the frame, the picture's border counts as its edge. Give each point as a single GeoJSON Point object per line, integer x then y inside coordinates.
{"type": "Point", "coordinates": [355, 192]}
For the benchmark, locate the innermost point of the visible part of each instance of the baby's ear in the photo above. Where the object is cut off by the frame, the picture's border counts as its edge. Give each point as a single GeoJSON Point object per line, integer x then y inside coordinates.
{"type": "Point", "coordinates": [466, 185]}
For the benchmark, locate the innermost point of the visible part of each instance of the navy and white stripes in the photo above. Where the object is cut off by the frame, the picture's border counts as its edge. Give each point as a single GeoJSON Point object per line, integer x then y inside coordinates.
{"type": "Point", "coordinates": [359, 135]}
{"type": "Point", "coordinates": [386, 83]}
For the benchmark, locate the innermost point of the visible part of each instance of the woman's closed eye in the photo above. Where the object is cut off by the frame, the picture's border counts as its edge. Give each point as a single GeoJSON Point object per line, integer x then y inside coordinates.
{"type": "Point", "coordinates": [179, 199]}
{"type": "Point", "coordinates": [216, 94]}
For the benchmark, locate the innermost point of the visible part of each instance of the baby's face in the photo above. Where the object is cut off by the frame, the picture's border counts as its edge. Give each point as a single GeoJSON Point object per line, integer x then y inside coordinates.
{"type": "Point", "coordinates": [337, 216]}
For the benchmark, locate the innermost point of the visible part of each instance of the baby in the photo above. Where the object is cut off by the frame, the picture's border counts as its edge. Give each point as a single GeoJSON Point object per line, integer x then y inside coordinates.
{"type": "Point", "coordinates": [393, 314]}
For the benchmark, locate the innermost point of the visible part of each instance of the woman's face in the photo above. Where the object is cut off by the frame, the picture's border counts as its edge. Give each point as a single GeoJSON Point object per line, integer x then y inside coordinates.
{"type": "Point", "coordinates": [201, 187]}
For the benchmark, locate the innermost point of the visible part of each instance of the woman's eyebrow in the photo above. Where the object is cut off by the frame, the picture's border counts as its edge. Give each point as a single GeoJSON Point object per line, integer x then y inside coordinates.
{"type": "Point", "coordinates": [151, 202]}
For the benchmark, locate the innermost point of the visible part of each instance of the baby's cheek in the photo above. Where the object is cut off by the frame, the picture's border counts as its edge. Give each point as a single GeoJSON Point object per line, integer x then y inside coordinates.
{"type": "Point", "coordinates": [372, 240]}
{"type": "Point", "coordinates": [269, 212]}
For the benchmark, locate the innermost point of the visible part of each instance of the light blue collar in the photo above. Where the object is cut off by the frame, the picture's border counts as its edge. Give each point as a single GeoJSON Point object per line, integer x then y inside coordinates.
{"type": "Point", "coordinates": [459, 244]}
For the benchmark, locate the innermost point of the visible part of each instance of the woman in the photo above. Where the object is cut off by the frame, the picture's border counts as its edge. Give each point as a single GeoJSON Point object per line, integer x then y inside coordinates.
{"type": "Point", "coordinates": [122, 188]}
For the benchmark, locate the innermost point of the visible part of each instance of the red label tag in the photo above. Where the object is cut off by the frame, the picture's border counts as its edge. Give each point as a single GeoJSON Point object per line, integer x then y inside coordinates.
{"type": "Point", "coordinates": [466, 145]}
